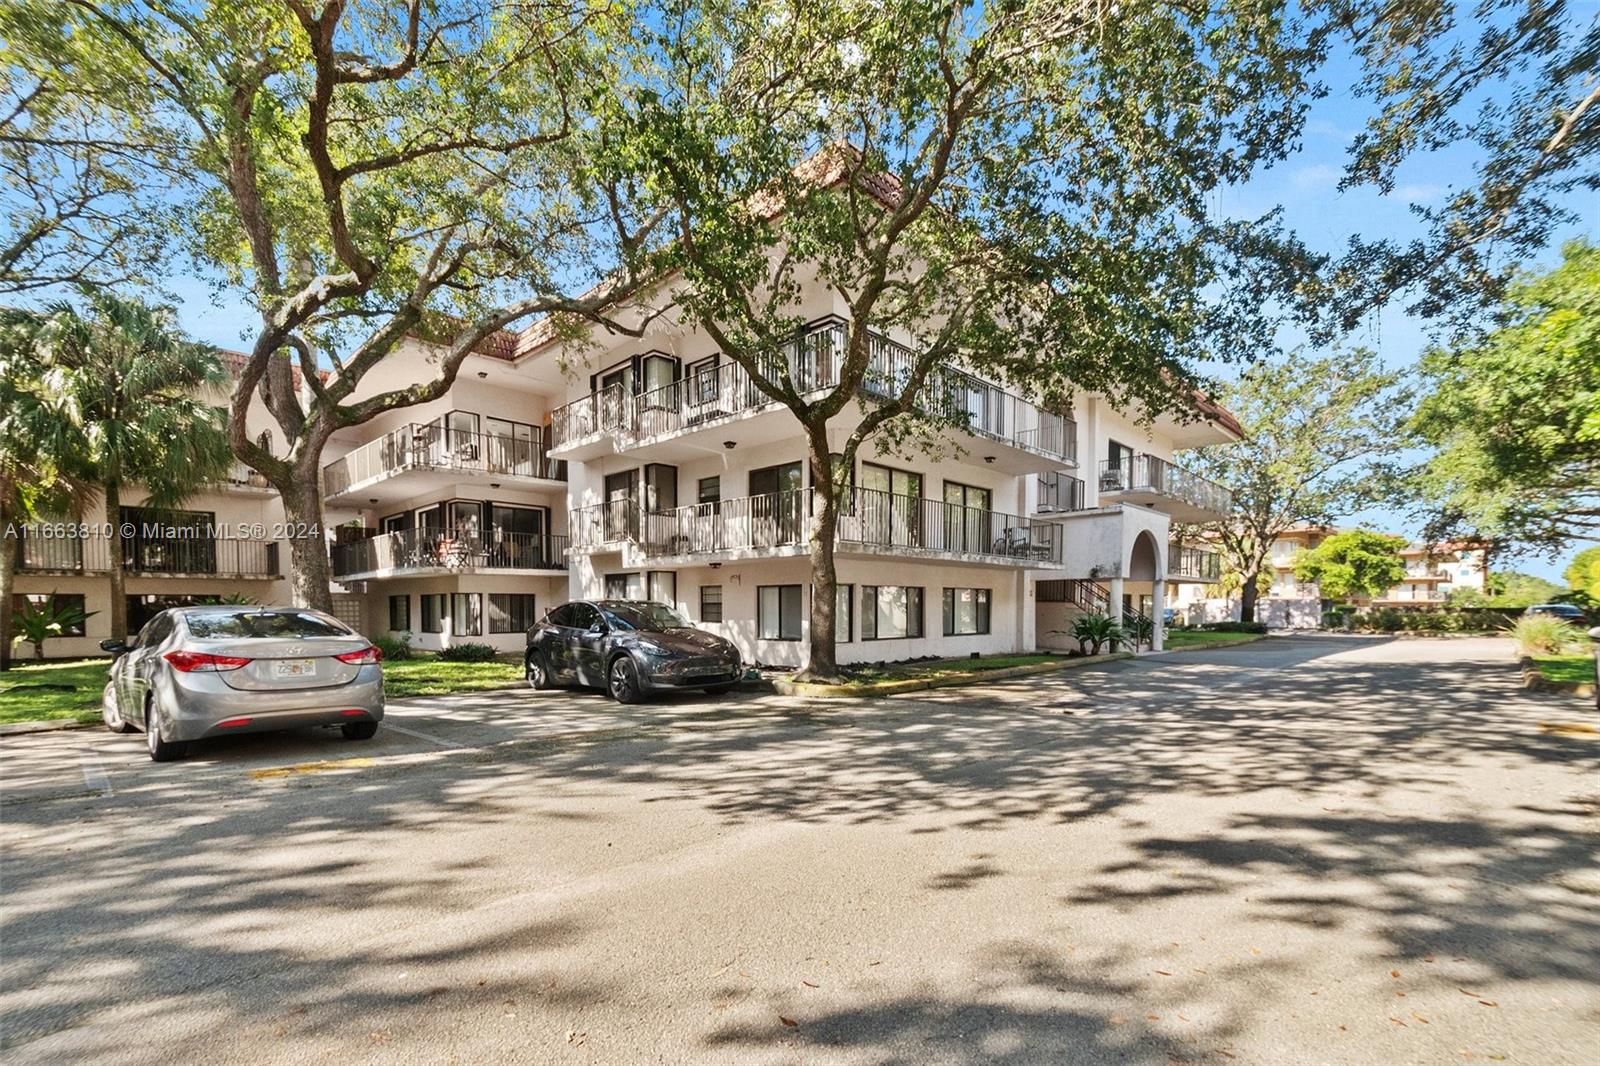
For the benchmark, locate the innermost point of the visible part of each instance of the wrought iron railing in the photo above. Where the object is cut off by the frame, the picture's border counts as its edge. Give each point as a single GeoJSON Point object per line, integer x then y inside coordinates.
{"type": "Point", "coordinates": [40, 550]}
{"type": "Point", "coordinates": [1088, 596]}
{"type": "Point", "coordinates": [1147, 473]}
{"type": "Point", "coordinates": [430, 446]}
{"type": "Point", "coordinates": [1194, 563]}
{"type": "Point", "coordinates": [455, 550]}
{"type": "Point", "coordinates": [814, 361]}
{"type": "Point", "coordinates": [867, 518]}
{"type": "Point", "coordinates": [1060, 492]}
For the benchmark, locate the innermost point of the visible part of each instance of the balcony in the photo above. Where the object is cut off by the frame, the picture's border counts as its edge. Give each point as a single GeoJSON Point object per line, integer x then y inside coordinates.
{"type": "Point", "coordinates": [174, 556]}
{"type": "Point", "coordinates": [779, 524]}
{"type": "Point", "coordinates": [1193, 564]}
{"type": "Point", "coordinates": [615, 420]}
{"type": "Point", "coordinates": [431, 550]}
{"type": "Point", "coordinates": [433, 457]}
{"type": "Point", "coordinates": [1158, 484]}
{"type": "Point", "coordinates": [1060, 493]}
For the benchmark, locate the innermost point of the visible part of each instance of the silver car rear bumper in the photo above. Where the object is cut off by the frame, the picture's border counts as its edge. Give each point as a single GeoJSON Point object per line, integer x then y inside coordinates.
{"type": "Point", "coordinates": [194, 705]}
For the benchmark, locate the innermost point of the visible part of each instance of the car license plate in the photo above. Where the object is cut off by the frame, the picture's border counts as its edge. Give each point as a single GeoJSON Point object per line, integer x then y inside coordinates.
{"type": "Point", "coordinates": [293, 667]}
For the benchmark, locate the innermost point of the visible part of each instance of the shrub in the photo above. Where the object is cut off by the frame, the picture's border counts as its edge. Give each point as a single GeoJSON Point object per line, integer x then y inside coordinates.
{"type": "Point", "coordinates": [394, 646]}
{"type": "Point", "coordinates": [1235, 627]}
{"type": "Point", "coordinates": [468, 653]}
{"type": "Point", "coordinates": [1540, 634]}
{"type": "Point", "coordinates": [1094, 631]}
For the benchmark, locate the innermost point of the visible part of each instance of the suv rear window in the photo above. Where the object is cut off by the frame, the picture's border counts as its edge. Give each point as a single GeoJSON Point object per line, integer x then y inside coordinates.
{"type": "Point", "coordinates": [263, 625]}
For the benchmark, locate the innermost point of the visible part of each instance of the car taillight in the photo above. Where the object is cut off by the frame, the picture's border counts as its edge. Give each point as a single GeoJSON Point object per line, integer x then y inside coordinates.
{"type": "Point", "coordinates": [192, 662]}
{"type": "Point", "coordinates": [364, 657]}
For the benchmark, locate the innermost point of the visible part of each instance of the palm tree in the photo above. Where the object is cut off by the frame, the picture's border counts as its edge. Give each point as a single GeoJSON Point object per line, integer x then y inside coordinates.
{"type": "Point", "coordinates": [36, 447]}
{"type": "Point", "coordinates": [133, 386]}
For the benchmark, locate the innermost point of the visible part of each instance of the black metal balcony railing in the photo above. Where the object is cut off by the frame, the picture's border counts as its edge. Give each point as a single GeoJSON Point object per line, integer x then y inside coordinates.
{"type": "Point", "coordinates": [1194, 563]}
{"type": "Point", "coordinates": [454, 550]}
{"type": "Point", "coordinates": [38, 552]}
{"type": "Point", "coordinates": [813, 361]}
{"type": "Point", "coordinates": [434, 447]}
{"type": "Point", "coordinates": [1147, 473]}
{"type": "Point", "coordinates": [867, 518]}
{"type": "Point", "coordinates": [1060, 492]}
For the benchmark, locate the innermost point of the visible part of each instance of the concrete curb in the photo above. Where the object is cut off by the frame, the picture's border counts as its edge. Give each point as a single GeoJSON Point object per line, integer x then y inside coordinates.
{"type": "Point", "coordinates": [49, 725]}
{"type": "Point", "coordinates": [870, 689]}
{"type": "Point", "coordinates": [1534, 681]}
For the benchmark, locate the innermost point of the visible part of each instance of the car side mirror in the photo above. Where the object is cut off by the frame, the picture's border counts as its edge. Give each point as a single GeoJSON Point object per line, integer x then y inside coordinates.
{"type": "Point", "coordinates": [114, 646]}
{"type": "Point", "coordinates": [597, 629]}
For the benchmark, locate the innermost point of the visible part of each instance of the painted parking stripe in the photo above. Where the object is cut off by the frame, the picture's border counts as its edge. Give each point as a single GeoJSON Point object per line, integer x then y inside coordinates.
{"type": "Point", "coordinates": [94, 775]}
{"type": "Point", "coordinates": [430, 738]}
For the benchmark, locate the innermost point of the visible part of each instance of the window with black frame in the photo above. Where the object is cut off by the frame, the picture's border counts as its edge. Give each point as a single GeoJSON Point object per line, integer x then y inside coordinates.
{"type": "Point", "coordinates": [710, 603]}
{"type": "Point", "coordinates": [511, 612]}
{"type": "Point", "coordinates": [399, 614]}
{"type": "Point", "coordinates": [891, 612]}
{"type": "Point", "coordinates": [778, 612]}
{"type": "Point", "coordinates": [966, 612]}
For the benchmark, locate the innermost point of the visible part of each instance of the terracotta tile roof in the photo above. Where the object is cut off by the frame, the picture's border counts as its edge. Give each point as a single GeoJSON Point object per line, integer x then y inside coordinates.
{"type": "Point", "coordinates": [235, 362]}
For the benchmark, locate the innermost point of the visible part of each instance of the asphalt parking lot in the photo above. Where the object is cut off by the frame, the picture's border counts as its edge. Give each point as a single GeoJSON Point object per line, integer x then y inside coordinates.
{"type": "Point", "coordinates": [1294, 851]}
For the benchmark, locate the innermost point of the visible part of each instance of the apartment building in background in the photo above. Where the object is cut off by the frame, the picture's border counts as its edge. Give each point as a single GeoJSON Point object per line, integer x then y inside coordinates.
{"type": "Point", "coordinates": [219, 543]}
{"type": "Point", "coordinates": [1432, 573]}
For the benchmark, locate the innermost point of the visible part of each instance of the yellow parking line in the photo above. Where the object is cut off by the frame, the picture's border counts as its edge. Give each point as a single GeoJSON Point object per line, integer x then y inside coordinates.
{"type": "Point", "coordinates": [1569, 729]}
{"type": "Point", "coordinates": [326, 766]}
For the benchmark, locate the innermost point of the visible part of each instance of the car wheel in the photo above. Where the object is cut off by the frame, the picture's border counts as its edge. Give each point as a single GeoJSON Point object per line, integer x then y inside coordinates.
{"type": "Point", "coordinates": [537, 671]}
{"type": "Point", "coordinates": [359, 730]}
{"type": "Point", "coordinates": [160, 750]}
{"type": "Point", "coordinates": [622, 680]}
{"type": "Point", "coordinates": [112, 713]}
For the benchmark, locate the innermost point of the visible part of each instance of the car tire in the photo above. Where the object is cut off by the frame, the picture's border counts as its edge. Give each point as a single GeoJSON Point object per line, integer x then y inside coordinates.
{"type": "Point", "coordinates": [359, 730]}
{"type": "Point", "coordinates": [112, 714]}
{"type": "Point", "coordinates": [622, 680]}
{"type": "Point", "coordinates": [537, 671]}
{"type": "Point", "coordinates": [161, 749]}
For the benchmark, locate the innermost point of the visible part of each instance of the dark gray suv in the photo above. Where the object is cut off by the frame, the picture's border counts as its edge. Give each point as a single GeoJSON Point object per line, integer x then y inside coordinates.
{"type": "Point", "coordinates": [629, 648]}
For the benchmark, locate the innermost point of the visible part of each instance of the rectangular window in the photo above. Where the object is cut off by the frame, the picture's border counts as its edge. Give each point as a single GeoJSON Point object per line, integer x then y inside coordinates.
{"type": "Point", "coordinates": [26, 601]}
{"type": "Point", "coordinates": [710, 603]}
{"type": "Point", "coordinates": [399, 614]}
{"type": "Point", "coordinates": [966, 612]}
{"type": "Point", "coordinates": [510, 612]}
{"type": "Point", "coordinates": [844, 613]}
{"type": "Point", "coordinates": [466, 614]}
{"type": "Point", "coordinates": [710, 489]}
{"type": "Point", "coordinates": [625, 586]}
{"type": "Point", "coordinates": [433, 608]}
{"type": "Point", "coordinates": [663, 587]}
{"type": "Point", "coordinates": [778, 612]}
{"type": "Point", "coordinates": [890, 612]}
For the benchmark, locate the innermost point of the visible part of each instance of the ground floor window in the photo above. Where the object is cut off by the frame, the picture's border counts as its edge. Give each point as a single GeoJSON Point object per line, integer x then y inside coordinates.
{"type": "Point", "coordinates": [778, 612]}
{"type": "Point", "coordinates": [510, 612]}
{"type": "Point", "coordinates": [399, 614]}
{"type": "Point", "coordinates": [966, 612]}
{"type": "Point", "coordinates": [664, 587]}
{"type": "Point", "coordinates": [433, 610]}
{"type": "Point", "coordinates": [889, 612]}
{"type": "Point", "coordinates": [844, 613]}
{"type": "Point", "coordinates": [625, 586]}
{"type": "Point", "coordinates": [64, 601]}
{"type": "Point", "coordinates": [710, 603]}
{"type": "Point", "coordinates": [466, 619]}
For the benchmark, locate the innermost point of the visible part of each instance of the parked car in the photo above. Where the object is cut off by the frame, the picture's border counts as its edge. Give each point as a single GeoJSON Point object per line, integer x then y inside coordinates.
{"type": "Point", "coordinates": [628, 648]}
{"type": "Point", "coordinates": [197, 672]}
{"type": "Point", "coordinates": [1567, 612]}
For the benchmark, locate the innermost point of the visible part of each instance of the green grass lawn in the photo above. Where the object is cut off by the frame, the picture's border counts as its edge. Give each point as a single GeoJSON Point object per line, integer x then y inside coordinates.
{"type": "Point", "coordinates": [73, 692]}
{"type": "Point", "coordinates": [1201, 638]}
{"type": "Point", "coordinates": [941, 667]}
{"type": "Point", "coordinates": [426, 676]}
{"type": "Point", "coordinates": [1569, 668]}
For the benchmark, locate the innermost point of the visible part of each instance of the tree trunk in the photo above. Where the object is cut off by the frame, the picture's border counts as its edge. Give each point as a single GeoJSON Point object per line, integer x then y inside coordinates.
{"type": "Point", "coordinates": [1248, 595]}
{"type": "Point", "coordinates": [822, 661]}
{"type": "Point", "coordinates": [9, 546]}
{"type": "Point", "coordinates": [309, 570]}
{"type": "Point", "coordinates": [116, 548]}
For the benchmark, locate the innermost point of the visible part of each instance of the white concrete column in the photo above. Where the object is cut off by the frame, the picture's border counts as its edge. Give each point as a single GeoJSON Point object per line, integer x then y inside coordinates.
{"type": "Point", "coordinates": [1115, 610]}
{"type": "Point", "coordinates": [1158, 590]}
{"type": "Point", "coordinates": [1027, 614]}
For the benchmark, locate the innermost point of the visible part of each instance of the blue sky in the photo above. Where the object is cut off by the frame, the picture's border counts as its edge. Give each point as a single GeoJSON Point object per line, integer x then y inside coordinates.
{"type": "Point", "coordinates": [1305, 185]}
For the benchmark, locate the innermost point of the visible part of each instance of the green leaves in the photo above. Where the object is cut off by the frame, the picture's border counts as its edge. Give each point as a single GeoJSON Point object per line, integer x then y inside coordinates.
{"type": "Point", "coordinates": [1355, 564]}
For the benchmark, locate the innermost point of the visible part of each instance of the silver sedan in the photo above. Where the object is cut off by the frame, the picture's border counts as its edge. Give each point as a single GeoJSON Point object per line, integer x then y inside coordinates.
{"type": "Point", "coordinates": [197, 672]}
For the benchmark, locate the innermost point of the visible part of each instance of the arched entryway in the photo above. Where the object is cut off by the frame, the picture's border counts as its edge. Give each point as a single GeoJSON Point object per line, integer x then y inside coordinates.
{"type": "Point", "coordinates": [1140, 591]}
